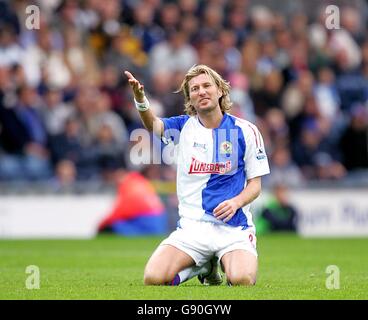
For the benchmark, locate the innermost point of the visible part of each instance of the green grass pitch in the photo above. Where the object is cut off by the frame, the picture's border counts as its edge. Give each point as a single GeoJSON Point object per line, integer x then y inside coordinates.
{"type": "Point", "coordinates": [111, 267]}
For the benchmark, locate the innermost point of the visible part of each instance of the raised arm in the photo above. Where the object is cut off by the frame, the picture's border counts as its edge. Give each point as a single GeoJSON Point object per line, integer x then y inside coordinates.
{"type": "Point", "coordinates": [149, 119]}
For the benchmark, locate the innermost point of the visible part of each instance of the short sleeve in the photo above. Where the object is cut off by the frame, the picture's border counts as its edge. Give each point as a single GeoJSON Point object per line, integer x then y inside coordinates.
{"type": "Point", "coordinates": [173, 127]}
{"type": "Point", "coordinates": [255, 158]}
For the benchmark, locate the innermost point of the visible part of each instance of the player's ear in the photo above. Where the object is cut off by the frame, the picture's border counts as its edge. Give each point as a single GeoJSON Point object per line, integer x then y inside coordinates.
{"type": "Point", "coordinates": [219, 93]}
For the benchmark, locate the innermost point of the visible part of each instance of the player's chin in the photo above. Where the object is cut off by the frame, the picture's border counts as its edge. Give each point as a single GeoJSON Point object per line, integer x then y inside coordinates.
{"type": "Point", "coordinates": [206, 107]}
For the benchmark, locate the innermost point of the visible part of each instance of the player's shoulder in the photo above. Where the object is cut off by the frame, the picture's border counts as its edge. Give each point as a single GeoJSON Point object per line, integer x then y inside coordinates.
{"type": "Point", "coordinates": [190, 121]}
{"type": "Point", "coordinates": [182, 118]}
{"type": "Point", "coordinates": [175, 122]}
{"type": "Point", "coordinates": [246, 126]}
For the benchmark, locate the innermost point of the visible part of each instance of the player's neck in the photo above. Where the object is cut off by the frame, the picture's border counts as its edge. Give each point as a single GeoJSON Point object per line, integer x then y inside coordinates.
{"type": "Point", "coordinates": [212, 119]}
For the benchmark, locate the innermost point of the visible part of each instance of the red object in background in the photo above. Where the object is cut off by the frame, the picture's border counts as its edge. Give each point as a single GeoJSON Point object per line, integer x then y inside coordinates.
{"type": "Point", "coordinates": [135, 197]}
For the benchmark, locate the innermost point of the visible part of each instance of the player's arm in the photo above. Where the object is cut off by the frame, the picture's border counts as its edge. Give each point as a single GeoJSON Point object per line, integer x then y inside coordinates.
{"type": "Point", "coordinates": [256, 166]}
{"type": "Point", "coordinates": [149, 119]}
{"type": "Point", "coordinates": [226, 209]}
{"type": "Point", "coordinates": [249, 193]}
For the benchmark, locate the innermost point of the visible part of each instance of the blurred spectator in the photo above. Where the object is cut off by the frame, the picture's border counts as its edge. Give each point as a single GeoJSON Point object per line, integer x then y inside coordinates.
{"type": "Point", "coordinates": [109, 83]}
{"type": "Point", "coordinates": [163, 87]}
{"type": "Point", "coordinates": [8, 16]}
{"type": "Point", "coordinates": [212, 21]}
{"type": "Point", "coordinates": [6, 87]}
{"type": "Point", "coordinates": [79, 59]}
{"type": "Point", "coordinates": [172, 55]}
{"type": "Point", "coordinates": [278, 130]}
{"type": "Point", "coordinates": [320, 53]}
{"type": "Point", "coordinates": [103, 115]}
{"type": "Point", "coordinates": [284, 170]}
{"type": "Point", "coordinates": [88, 17]}
{"type": "Point", "coordinates": [44, 62]}
{"type": "Point", "coordinates": [298, 58]}
{"type": "Point", "coordinates": [18, 76]}
{"type": "Point", "coordinates": [106, 26]}
{"type": "Point", "coordinates": [365, 54]}
{"type": "Point", "coordinates": [54, 111]}
{"type": "Point", "coordinates": [211, 54]}
{"type": "Point", "coordinates": [295, 97]}
{"type": "Point", "coordinates": [68, 14]}
{"type": "Point", "coordinates": [10, 51]}
{"type": "Point", "coordinates": [169, 15]}
{"type": "Point", "coordinates": [188, 6]}
{"type": "Point", "coordinates": [144, 27]}
{"type": "Point", "coordinates": [84, 104]}
{"type": "Point", "coordinates": [298, 80]}
{"type": "Point", "coordinates": [125, 52]}
{"type": "Point", "coordinates": [237, 20]}
{"type": "Point", "coordinates": [277, 214]}
{"type": "Point", "coordinates": [345, 50]}
{"type": "Point", "coordinates": [242, 103]}
{"type": "Point", "coordinates": [350, 83]}
{"type": "Point", "coordinates": [354, 140]}
{"type": "Point", "coordinates": [325, 91]}
{"type": "Point", "coordinates": [269, 96]}
{"type": "Point", "coordinates": [24, 139]}
{"type": "Point", "coordinates": [282, 58]}
{"type": "Point", "coordinates": [267, 60]}
{"type": "Point", "coordinates": [189, 24]}
{"type": "Point", "coordinates": [66, 144]}
{"type": "Point", "coordinates": [65, 177]}
{"type": "Point", "coordinates": [227, 40]}
{"type": "Point", "coordinates": [299, 24]}
{"type": "Point", "coordinates": [250, 54]}
{"type": "Point", "coordinates": [351, 20]}
{"type": "Point", "coordinates": [108, 152]}
{"type": "Point", "coordinates": [261, 19]}
{"type": "Point", "coordinates": [315, 156]}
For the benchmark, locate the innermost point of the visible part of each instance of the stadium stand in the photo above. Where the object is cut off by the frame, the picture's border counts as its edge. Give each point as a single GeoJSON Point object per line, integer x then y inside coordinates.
{"type": "Point", "coordinates": [66, 111]}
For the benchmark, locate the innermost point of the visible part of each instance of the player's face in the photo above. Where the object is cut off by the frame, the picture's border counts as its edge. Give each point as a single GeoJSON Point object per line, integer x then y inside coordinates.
{"type": "Point", "coordinates": [204, 93]}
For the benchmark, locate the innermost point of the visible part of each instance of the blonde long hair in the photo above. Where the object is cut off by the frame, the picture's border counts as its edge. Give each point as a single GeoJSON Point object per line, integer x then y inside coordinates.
{"type": "Point", "coordinates": [224, 101]}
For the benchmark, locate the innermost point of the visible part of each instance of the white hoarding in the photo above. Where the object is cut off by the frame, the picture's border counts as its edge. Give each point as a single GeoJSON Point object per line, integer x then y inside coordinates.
{"type": "Point", "coordinates": [53, 216]}
{"type": "Point", "coordinates": [329, 213]}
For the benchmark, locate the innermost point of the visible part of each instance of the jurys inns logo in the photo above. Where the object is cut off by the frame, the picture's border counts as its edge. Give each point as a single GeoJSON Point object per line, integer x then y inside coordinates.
{"type": "Point", "coordinates": [226, 147]}
{"type": "Point", "coordinates": [202, 167]}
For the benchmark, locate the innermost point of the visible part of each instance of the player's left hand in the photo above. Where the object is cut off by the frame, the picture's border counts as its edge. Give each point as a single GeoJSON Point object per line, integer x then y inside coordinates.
{"type": "Point", "coordinates": [226, 210]}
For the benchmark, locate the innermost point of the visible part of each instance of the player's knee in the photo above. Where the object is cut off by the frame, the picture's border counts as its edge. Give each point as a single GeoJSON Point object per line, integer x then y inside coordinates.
{"type": "Point", "coordinates": [241, 279]}
{"type": "Point", "coordinates": [155, 279]}
{"type": "Point", "coordinates": [151, 279]}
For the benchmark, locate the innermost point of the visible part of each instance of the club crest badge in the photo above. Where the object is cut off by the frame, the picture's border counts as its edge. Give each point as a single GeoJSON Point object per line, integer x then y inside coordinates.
{"type": "Point", "coordinates": [226, 147]}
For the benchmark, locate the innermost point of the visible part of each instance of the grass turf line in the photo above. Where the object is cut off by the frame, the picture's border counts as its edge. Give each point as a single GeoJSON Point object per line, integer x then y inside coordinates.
{"type": "Point", "coordinates": [111, 267]}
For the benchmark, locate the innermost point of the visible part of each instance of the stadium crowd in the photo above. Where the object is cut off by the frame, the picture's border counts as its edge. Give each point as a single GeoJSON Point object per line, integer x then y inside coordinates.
{"type": "Point", "coordinates": [66, 110]}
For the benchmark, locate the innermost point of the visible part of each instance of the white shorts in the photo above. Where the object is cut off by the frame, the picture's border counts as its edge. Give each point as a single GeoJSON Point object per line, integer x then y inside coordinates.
{"type": "Point", "coordinates": [201, 240]}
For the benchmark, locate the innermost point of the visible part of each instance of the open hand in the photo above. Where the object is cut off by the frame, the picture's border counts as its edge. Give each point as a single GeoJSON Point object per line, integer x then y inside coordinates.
{"type": "Point", "coordinates": [137, 87]}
